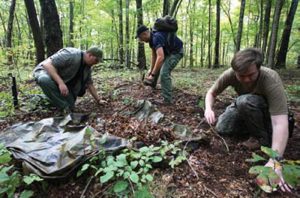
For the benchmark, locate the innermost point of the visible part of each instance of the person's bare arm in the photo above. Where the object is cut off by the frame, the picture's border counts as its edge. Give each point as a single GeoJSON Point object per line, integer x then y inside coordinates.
{"type": "Point", "coordinates": [93, 92]}
{"type": "Point", "coordinates": [160, 56]}
{"type": "Point", "coordinates": [153, 60]}
{"type": "Point", "coordinates": [280, 133]}
{"type": "Point", "coordinates": [47, 64]}
{"type": "Point", "coordinates": [279, 141]}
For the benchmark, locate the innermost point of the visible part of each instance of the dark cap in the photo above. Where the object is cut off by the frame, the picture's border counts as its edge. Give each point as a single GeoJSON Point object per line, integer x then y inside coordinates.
{"type": "Point", "coordinates": [97, 52]}
{"type": "Point", "coordinates": [140, 30]}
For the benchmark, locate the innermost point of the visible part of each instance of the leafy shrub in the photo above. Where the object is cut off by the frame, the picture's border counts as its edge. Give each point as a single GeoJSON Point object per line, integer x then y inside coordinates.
{"type": "Point", "coordinates": [267, 179]}
{"type": "Point", "coordinates": [131, 168]}
{"type": "Point", "coordinates": [11, 179]}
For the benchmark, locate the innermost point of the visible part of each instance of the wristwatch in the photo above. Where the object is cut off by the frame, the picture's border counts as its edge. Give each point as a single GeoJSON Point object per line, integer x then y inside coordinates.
{"type": "Point", "coordinates": [279, 158]}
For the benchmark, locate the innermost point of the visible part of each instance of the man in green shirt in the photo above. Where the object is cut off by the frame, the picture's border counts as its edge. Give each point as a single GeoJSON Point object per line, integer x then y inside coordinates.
{"type": "Point", "coordinates": [67, 74]}
{"type": "Point", "coordinates": [260, 108]}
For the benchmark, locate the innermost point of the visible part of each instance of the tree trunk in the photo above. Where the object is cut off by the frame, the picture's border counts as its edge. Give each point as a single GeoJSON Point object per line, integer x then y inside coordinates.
{"type": "Point", "coordinates": [82, 13]}
{"type": "Point", "coordinates": [71, 24]}
{"type": "Point", "coordinates": [281, 56]}
{"type": "Point", "coordinates": [266, 27]}
{"type": "Point", "coordinates": [141, 59]}
{"type": "Point", "coordinates": [3, 22]}
{"type": "Point", "coordinates": [121, 49]}
{"type": "Point", "coordinates": [248, 24]}
{"type": "Point", "coordinates": [174, 8]}
{"type": "Point", "coordinates": [209, 31]}
{"type": "Point", "coordinates": [53, 33]}
{"type": "Point", "coordinates": [112, 53]}
{"type": "Point", "coordinates": [166, 7]}
{"type": "Point", "coordinates": [127, 35]}
{"type": "Point", "coordinates": [10, 29]}
{"type": "Point", "coordinates": [227, 13]}
{"type": "Point", "coordinates": [19, 31]}
{"type": "Point", "coordinates": [202, 51]}
{"type": "Point", "coordinates": [273, 38]}
{"type": "Point", "coordinates": [217, 39]}
{"type": "Point", "coordinates": [132, 38]}
{"type": "Point", "coordinates": [298, 62]}
{"type": "Point", "coordinates": [36, 31]}
{"type": "Point", "coordinates": [260, 24]}
{"type": "Point", "coordinates": [240, 28]}
{"type": "Point", "coordinates": [191, 13]}
{"type": "Point", "coordinates": [223, 52]}
{"type": "Point", "coordinates": [260, 18]}
{"type": "Point", "coordinates": [10, 24]}
{"type": "Point", "coordinates": [196, 49]}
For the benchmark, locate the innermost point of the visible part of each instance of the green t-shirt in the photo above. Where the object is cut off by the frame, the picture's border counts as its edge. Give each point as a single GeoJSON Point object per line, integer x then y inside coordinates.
{"type": "Point", "coordinates": [268, 85]}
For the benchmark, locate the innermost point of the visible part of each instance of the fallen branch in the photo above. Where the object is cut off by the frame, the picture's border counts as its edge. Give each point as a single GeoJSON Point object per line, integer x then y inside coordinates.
{"type": "Point", "coordinates": [86, 187]}
{"type": "Point", "coordinates": [101, 191]}
{"type": "Point", "coordinates": [133, 192]}
{"type": "Point", "coordinates": [215, 133]}
{"type": "Point", "coordinates": [188, 160]}
{"type": "Point", "coordinates": [201, 122]}
{"type": "Point", "coordinates": [209, 190]}
{"type": "Point", "coordinates": [196, 174]}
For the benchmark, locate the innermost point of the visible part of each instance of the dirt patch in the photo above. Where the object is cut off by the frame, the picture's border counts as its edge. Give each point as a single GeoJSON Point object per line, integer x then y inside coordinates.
{"type": "Point", "coordinates": [211, 171]}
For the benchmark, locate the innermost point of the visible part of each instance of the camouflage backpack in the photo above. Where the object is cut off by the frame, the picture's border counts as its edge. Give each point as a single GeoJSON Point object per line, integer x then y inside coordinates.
{"type": "Point", "coordinates": [166, 24]}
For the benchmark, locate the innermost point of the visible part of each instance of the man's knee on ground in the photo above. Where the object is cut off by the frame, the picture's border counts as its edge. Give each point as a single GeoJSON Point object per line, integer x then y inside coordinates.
{"type": "Point", "coordinates": [228, 122]}
{"type": "Point", "coordinates": [247, 101]}
{"type": "Point", "coordinates": [250, 102]}
{"type": "Point", "coordinates": [223, 129]}
{"type": "Point", "coordinates": [43, 80]}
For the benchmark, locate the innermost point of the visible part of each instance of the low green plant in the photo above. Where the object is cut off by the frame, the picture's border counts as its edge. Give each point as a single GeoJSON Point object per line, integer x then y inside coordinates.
{"type": "Point", "coordinates": [267, 179]}
{"type": "Point", "coordinates": [6, 104]}
{"type": "Point", "coordinates": [130, 170]}
{"type": "Point", "coordinates": [11, 179]}
{"type": "Point", "coordinates": [293, 92]}
{"type": "Point", "coordinates": [127, 100]}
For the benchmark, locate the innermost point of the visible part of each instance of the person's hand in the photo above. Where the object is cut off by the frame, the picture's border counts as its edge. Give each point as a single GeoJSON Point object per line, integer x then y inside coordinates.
{"type": "Point", "coordinates": [148, 73]}
{"type": "Point", "coordinates": [101, 102]}
{"type": "Point", "coordinates": [150, 77]}
{"type": "Point", "coordinates": [284, 187]}
{"type": "Point", "coordinates": [210, 116]}
{"type": "Point", "coordinates": [63, 89]}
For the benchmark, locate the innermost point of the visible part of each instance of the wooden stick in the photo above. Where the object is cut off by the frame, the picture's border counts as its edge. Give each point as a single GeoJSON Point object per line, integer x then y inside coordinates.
{"type": "Point", "coordinates": [86, 187]}
{"type": "Point", "coordinates": [214, 132]}
{"type": "Point", "coordinates": [209, 190]}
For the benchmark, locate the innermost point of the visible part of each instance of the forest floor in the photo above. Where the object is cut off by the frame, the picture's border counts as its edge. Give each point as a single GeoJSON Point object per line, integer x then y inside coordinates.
{"type": "Point", "coordinates": [210, 171]}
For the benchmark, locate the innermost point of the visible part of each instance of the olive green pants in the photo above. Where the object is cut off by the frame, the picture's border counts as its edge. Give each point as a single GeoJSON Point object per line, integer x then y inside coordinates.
{"type": "Point", "coordinates": [249, 114]}
{"type": "Point", "coordinates": [51, 90]}
{"type": "Point", "coordinates": [169, 64]}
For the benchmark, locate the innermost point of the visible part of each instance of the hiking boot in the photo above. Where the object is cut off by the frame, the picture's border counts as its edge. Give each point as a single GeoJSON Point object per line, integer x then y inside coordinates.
{"type": "Point", "coordinates": [162, 102]}
{"type": "Point", "coordinates": [65, 111]}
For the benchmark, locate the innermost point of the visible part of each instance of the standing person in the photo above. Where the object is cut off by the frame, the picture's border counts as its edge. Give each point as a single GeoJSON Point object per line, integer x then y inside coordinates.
{"type": "Point", "coordinates": [67, 74]}
{"type": "Point", "coordinates": [260, 108]}
{"type": "Point", "coordinates": [167, 50]}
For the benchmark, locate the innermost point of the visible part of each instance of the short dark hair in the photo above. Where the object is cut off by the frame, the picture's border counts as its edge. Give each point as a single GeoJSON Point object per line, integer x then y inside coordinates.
{"type": "Point", "coordinates": [245, 58]}
{"type": "Point", "coordinates": [140, 30]}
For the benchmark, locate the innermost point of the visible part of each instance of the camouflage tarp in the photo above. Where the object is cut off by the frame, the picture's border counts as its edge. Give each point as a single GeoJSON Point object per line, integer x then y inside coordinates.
{"type": "Point", "coordinates": [53, 147]}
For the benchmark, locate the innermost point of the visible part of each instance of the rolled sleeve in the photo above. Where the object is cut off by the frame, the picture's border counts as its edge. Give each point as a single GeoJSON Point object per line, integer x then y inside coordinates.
{"type": "Point", "coordinates": [222, 82]}
{"type": "Point", "coordinates": [277, 100]}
